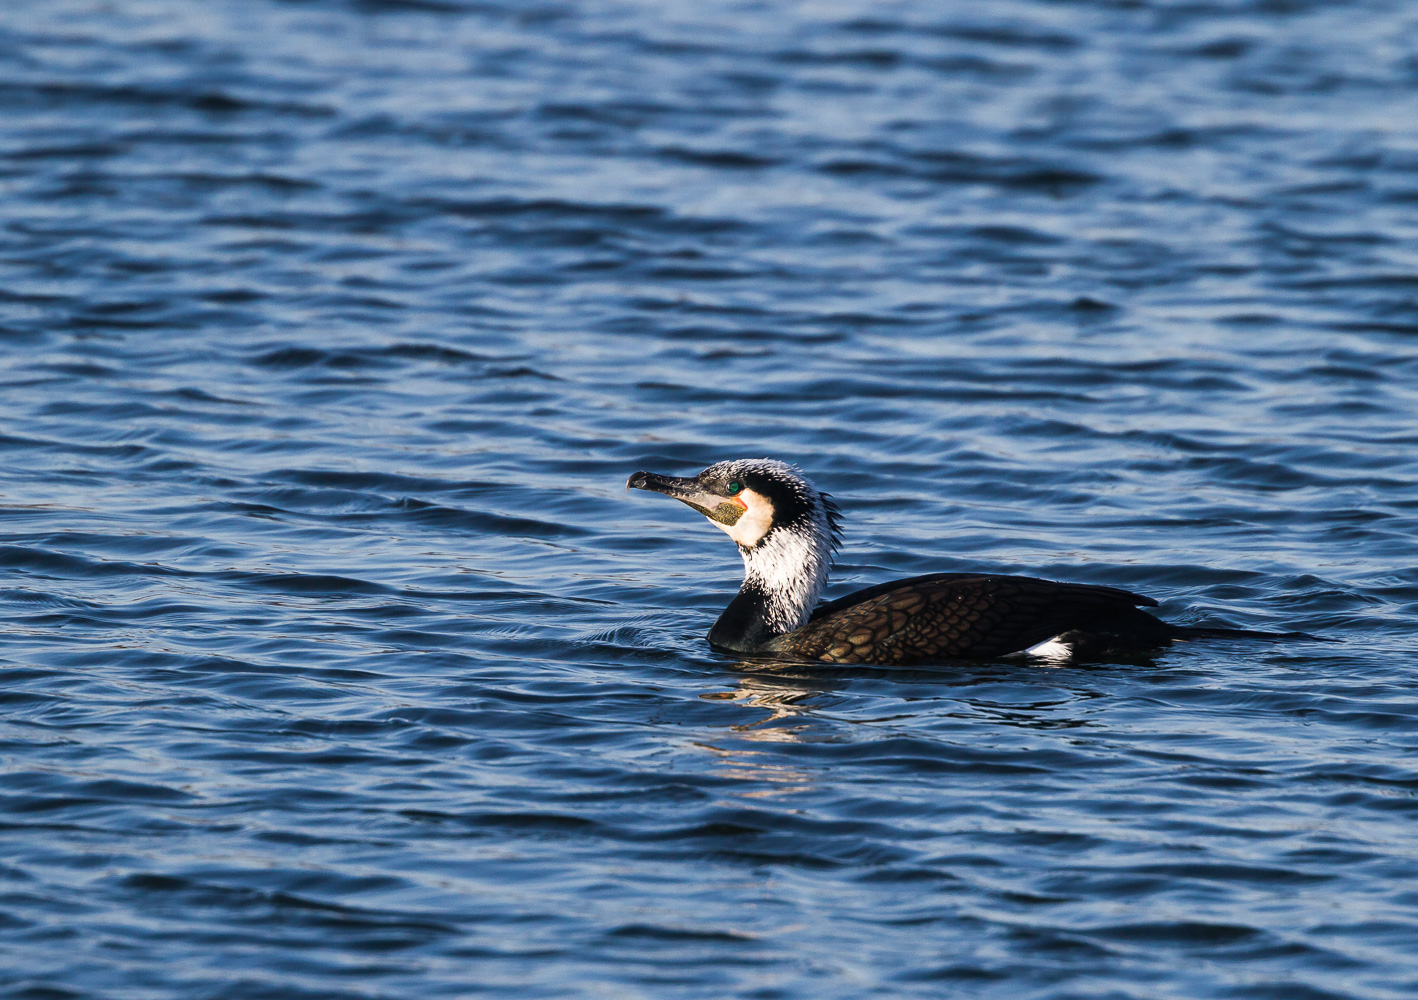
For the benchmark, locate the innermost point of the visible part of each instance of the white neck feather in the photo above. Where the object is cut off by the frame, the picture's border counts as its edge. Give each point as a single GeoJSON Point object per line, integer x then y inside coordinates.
{"type": "Point", "coordinates": [789, 566]}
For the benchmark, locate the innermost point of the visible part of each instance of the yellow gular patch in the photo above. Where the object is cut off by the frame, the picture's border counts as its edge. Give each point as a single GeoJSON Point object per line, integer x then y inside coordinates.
{"type": "Point", "coordinates": [757, 518]}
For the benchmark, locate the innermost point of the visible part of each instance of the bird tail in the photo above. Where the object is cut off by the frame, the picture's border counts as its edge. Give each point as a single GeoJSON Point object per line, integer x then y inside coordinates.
{"type": "Point", "coordinates": [1186, 632]}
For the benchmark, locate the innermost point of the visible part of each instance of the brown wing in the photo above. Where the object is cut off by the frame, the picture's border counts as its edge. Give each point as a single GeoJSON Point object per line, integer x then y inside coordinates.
{"type": "Point", "coordinates": [951, 616]}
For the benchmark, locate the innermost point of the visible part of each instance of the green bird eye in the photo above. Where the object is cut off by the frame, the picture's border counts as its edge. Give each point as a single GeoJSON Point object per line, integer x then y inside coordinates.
{"type": "Point", "coordinates": [734, 488]}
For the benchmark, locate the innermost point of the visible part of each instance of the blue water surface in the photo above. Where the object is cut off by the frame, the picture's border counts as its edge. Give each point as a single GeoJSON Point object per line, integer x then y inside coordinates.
{"type": "Point", "coordinates": [337, 663]}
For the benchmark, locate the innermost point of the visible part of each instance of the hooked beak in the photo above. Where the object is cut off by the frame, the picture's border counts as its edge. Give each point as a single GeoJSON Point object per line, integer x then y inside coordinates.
{"type": "Point", "coordinates": [691, 492]}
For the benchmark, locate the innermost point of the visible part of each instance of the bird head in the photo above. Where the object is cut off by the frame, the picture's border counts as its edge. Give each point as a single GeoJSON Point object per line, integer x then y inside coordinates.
{"type": "Point", "coordinates": [786, 531]}
{"type": "Point", "coordinates": [752, 500]}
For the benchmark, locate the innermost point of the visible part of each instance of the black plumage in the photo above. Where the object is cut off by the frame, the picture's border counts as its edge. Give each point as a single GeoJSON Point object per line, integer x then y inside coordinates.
{"type": "Point", "coordinates": [950, 616]}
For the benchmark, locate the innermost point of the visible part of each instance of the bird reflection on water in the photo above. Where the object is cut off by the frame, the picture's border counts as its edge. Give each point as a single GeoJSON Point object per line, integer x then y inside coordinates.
{"type": "Point", "coordinates": [783, 697]}
{"type": "Point", "coordinates": [795, 692]}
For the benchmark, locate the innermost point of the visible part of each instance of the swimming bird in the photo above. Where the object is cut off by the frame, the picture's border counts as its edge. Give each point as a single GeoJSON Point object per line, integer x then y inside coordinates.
{"type": "Point", "coordinates": [787, 531]}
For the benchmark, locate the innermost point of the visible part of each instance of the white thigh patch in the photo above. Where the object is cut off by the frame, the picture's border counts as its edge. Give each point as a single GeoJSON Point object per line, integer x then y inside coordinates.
{"type": "Point", "coordinates": [1051, 649]}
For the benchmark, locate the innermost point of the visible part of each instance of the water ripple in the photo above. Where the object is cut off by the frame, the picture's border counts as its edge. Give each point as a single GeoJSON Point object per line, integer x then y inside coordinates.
{"type": "Point", "coordinates": [338, 663]}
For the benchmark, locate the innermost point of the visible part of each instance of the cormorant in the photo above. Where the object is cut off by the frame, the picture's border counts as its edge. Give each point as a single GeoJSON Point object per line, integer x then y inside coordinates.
{"type": "Point", "coordinates": [787, 530]}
